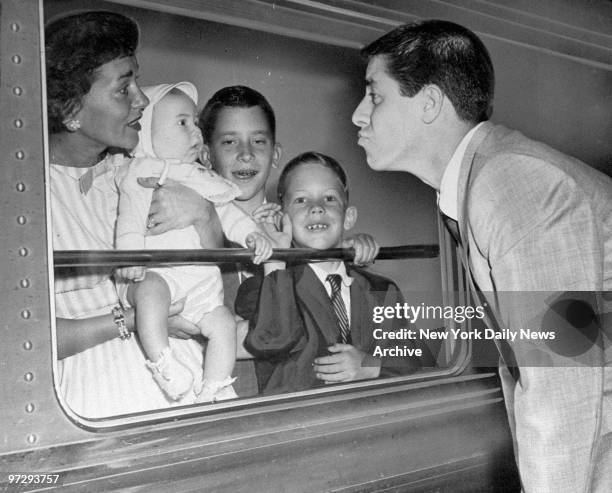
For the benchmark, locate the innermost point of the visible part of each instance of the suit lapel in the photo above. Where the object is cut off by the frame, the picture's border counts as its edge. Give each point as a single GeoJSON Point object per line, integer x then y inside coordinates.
{"type": "Point", "coordinates": [360, 308]}
{"type": "Point", "coordinates": [465, 176]}
{"type": "Point", "coordinates": [310, 290]}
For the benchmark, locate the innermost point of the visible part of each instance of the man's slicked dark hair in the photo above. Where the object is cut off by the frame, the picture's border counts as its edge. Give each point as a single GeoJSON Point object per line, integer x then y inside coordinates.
{"type": "Point", "coordinates": [307, 158]}
{"type": "Point", "coordinates": [442, 53]}
{"type": "Point", "coordinates": [233, 97]}
{"type": "Point", "coordinates": [75, 46]}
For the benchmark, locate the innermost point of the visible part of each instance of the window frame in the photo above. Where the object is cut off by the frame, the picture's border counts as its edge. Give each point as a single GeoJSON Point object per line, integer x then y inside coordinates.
{"type": "Point", "coordinates": [233, 13]}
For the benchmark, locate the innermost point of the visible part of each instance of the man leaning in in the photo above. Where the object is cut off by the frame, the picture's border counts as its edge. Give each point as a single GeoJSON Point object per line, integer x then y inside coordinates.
{"type": "Point", "coordinates": [535, 231]}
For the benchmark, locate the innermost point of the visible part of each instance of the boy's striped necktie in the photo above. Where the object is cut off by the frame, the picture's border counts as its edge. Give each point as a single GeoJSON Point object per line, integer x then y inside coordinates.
{"type": "Point", "coordinates": [335, 281]}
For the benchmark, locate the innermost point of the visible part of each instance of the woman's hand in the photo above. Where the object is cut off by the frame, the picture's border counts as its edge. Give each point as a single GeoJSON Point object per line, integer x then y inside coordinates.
{"type": "Point", "coordinates": [175, 206]}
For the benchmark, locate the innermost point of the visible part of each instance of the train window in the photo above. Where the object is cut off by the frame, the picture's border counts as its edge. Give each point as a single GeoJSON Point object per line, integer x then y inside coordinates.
{"type": "Point", "coordinates": [313, 81]}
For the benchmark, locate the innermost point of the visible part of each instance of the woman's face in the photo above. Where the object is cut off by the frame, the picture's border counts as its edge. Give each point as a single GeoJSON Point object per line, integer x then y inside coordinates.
{"type": "Point", "coordinates": [111, 109]}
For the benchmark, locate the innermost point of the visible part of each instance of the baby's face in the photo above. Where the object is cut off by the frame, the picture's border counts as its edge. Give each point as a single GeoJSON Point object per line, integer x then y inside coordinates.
{"type": "Point", "coordinates": [174, 130]}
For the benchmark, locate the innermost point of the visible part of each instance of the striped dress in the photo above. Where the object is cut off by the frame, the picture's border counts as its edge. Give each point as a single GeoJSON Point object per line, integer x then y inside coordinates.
{"type": "Point", "coordinates": [110, 378]}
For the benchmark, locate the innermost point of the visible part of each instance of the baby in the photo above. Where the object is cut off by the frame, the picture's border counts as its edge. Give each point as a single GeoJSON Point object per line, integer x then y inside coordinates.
{"type": "Point", "coordinates": [169, 145]}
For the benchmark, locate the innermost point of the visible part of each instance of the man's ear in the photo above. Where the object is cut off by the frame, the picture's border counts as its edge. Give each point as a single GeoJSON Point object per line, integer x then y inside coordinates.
{"type": "Point", "coordinates": [205, 156]}
{"type": "Point", "coordinates": [433, 99]}
{"type": "Point", "coordinates": [277, 152]}
{"type": "Point", "coordinates": [350, 217]}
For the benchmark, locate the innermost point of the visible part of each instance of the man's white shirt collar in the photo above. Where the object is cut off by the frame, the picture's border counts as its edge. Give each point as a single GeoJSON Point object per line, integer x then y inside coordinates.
{"type": "Point", "coordinates": [447, 196]}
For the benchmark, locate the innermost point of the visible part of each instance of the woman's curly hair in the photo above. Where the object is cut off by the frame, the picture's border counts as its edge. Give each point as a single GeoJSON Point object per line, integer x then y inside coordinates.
{"type": "Point", "coordinates": [75, 46]}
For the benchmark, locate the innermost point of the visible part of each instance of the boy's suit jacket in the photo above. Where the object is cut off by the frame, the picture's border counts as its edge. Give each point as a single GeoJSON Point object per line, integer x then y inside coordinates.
{"type": "Point", "coordinates": [534, 220]}
{"type": "Point", "coordinates": [293, 322]}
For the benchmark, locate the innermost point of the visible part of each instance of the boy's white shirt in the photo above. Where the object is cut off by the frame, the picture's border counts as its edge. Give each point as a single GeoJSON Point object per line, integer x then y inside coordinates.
{"type": "Point", "coordinates": [345, 286]}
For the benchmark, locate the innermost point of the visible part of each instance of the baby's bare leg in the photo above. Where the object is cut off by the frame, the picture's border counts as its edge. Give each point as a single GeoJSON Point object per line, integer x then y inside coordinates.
{"type": "Point", "coordinates": [219, 327]}
{"type": "Point", "coordinates": [151, 301]}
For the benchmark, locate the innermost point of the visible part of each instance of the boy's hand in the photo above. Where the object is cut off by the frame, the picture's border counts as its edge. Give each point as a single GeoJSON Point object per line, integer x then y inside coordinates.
{"type": "Point", "coordinates": [268, 213]}
{"type": "Point", "coordinates": [345, 365]}
{"type": "Point", "coordinates": [366, 248]}
{"type": "Point", "coordinates": [135, 273]}
{"type": "Point", "coordinates": [261, 246]}
{"type": "Point", "coordinates": [280, 235]}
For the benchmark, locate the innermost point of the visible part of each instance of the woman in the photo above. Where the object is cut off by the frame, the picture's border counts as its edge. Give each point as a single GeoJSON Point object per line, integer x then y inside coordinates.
{"type": "Point", "coordinates": [94, 104]}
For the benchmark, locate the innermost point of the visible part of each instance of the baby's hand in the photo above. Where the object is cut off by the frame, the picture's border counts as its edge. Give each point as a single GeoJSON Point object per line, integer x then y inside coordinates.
{"type": "Point", "coordinates": [261, 246]}
{"type": "Point", "coordinates": [366, 248]}
{"type": "Point", "coordinates": [134, 273]}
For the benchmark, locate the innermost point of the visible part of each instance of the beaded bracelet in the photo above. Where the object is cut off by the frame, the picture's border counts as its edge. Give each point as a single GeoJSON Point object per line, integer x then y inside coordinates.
{"type": "Point", "coordinates": [119, 319]}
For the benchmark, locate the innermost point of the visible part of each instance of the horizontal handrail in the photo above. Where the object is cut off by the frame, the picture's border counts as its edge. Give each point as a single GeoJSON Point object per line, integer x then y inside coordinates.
{"type": "Point", "coordinates": [90, 258]}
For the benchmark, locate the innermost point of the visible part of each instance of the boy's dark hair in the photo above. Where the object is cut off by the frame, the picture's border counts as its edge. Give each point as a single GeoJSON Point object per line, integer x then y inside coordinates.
{"type": "Point", "coordinates": [75, 46]}
{"type": "Point", "coordinates": [441, 53]}
{"type": "Point", "coordinates": [233, 97]}
{"type": "Point", "coordinates": [311, 157]}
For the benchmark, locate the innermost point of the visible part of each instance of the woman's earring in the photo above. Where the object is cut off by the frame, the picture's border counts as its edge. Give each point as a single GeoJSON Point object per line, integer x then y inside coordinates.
{"type": "Point", "coordinates": [72, 125]}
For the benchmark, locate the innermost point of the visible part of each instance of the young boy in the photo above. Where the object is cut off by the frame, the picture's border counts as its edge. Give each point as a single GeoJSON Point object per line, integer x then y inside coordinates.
{"type": "Point", "coordinates": [312, 322]}
{"type": "Point", "coordinates": [169, 144]}
{"type": "Point", "coordinates": [239, 130]}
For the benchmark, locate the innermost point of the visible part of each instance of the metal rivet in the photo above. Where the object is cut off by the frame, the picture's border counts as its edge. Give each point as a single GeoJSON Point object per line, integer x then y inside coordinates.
{"type": "Point", "coordinates": [24, 283]}
{"type": "Point", "coordinates": [29, 376]}
{"type": "Point", "coordinates": [29, 407]}
{"type": "Point", "coordinates": [20, 154]}
{"type": "Point", "coordinates": [26, 314]}
{"type": "Point", "coordinates": [23, 252]}
{"type": "Point", "coordinates": [31, 438]}
{"type": "Point", "coordinates": [14, 27]}
{"type": "Point", "coordinates": [17, 91]}
{"type": "Point", "coordinates": [18, 123]}
{"type": "Point", "coordinates": [20, 187]}
{"type": "Point", "coordinates": [16, 59]}
{"type": "Point", "coordinates": [21, 220]}
{"type": "Point", "coordinates": [27, 345]}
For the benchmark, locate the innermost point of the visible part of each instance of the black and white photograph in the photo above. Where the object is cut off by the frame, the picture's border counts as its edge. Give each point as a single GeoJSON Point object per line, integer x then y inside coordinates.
{"type": "Point", "coordinates": [306, 246]}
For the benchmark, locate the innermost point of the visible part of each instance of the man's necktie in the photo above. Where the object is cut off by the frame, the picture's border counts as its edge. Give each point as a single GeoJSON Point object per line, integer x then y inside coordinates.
{"type": "Point", "coordinates": [453, 227]}
{"type": "Point", "coordinates": [335, 281]}
{"type": "Point", "coordinates": [503, 346]}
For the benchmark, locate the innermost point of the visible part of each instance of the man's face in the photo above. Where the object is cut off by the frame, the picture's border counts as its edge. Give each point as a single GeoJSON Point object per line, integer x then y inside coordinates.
{"type": "Point", "coordinates": [242, 149]}
{"type": "Point", "coordinates": [390, 123]}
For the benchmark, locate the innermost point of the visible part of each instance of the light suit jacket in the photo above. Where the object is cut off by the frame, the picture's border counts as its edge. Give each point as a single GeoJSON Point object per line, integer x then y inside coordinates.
{"type": "Point", "coordinates": [536, 224]}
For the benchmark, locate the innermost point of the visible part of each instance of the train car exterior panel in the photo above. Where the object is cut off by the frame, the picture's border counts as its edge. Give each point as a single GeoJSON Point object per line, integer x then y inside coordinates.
{"type": "Point", "coordinates": [417, 437]}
